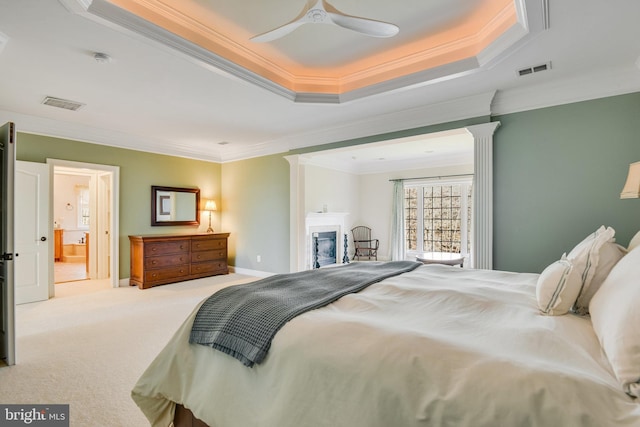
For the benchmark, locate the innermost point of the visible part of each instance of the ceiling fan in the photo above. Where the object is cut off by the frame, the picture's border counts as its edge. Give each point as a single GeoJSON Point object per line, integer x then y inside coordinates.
{"type": "Point", "coordinates": [321, 12]}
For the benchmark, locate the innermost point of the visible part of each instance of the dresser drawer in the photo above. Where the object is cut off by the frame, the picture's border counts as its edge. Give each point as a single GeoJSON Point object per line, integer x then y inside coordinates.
{"type": "Point", "coordinates": [208, 244]}
{"type": "Point", "coordinates": [166, 273]}
{"type": "Point", "coordinates": [209, 255]}
{"type": "Point", "coordinates": [166, 261]}
{"type": "Point", "coordinates": [209, 267]}
{"type": "Point", "coordinates": [166, 247]}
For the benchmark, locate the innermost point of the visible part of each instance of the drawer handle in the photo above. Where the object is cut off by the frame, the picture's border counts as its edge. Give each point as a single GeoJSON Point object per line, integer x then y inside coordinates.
{"type": "Point", "coordinates": [181, 259]}
{"type": "Point", "coordinates": [154, 262]}
{"type": "Point", "coordinates": [181, 271]}
{"type": "Point", "coordinates": [197, 245]}
{"type": "Point", "coordinates": [199, 256]}
{"type": "Point", "coordinates": [154, 249]}
{"type": "Point", "coordinates": [181, 246]}
{"type": "Point", "coordinates": [154, 275]}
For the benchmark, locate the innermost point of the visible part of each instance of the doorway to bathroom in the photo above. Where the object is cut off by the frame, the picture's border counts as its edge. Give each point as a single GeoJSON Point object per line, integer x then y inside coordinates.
{"type": "Point", "coordinates": [81, 206]}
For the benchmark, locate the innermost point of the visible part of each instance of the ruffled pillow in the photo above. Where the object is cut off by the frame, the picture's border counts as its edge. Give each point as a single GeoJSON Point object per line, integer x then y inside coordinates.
{"type": "Point", "coordinates": [635, 242]}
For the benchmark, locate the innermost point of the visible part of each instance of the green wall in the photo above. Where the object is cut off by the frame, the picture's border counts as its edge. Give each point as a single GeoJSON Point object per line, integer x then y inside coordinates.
{"type": "Point", "coordinates": [558, 174]}
{"type": "Point", "coordinates": [255, 201]}
{"type": "Point", "coordinates": [138, 172]}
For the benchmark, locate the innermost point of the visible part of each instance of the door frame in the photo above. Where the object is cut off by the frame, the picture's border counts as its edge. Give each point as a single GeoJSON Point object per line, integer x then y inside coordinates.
{"type": "Point", "coordinates": [114, 250]}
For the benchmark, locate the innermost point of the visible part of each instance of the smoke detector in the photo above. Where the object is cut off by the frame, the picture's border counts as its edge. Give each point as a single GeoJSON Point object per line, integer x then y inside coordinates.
{"type": "Point", "coordinates": [101, 58]}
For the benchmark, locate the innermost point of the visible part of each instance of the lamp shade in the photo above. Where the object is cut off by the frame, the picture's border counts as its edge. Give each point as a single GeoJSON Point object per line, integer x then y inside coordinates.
{"type": "Point", "coordinates": [210, 206]}
{"type": "Point", "coordinates": [631, 188]}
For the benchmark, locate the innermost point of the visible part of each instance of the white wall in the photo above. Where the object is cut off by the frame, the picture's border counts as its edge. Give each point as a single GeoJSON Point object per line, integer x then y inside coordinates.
{"type": "Point", "coordinates": [337, 190]}
{"type": "Point", "coordinates": [368, 197]}
{"type": "Point", "coordinates": [64, 193]}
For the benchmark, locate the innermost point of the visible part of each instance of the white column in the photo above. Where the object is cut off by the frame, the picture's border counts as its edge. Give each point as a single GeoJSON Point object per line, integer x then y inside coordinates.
{"type": "Point", "coordinates": [482, 242]}
{"type": "Point", "coordinates": [297, 233]}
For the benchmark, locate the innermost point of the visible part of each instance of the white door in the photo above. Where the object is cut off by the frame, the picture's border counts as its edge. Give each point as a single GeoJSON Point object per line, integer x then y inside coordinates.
{"type": "Point", "coordinates": [103, 237]}
{"type": "Point", "coordinates": [7, 296]}
{"type": "Point", "coordinates": [32, 232]}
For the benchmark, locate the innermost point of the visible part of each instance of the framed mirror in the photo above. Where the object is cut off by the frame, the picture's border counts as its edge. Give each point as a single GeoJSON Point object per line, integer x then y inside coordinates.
{"type": "Point", "coordinates": [175, 206]}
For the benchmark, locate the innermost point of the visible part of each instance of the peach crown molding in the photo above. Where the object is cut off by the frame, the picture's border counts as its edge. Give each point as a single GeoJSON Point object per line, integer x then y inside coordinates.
{"type": "Point", "coordinates": [508, 30]}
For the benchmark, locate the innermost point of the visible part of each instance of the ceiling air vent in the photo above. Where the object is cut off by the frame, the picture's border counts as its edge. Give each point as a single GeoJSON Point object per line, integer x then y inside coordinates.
{"type": "Point", "coordinates": [62, 103]}
{"type": "Point", "coordinates": [534, 69]}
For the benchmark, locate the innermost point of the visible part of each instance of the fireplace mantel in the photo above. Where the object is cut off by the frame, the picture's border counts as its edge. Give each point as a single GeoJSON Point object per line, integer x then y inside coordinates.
{"type": "Point", "coordinates": [316, 222]}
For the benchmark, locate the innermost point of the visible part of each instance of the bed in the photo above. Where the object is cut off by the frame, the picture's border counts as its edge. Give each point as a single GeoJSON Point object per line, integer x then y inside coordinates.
{"type": "Point", "coordinates": [436, 346]}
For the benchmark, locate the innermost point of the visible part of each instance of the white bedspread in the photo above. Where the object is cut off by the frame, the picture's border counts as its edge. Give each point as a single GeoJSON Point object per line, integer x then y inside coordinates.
{"type": "Point", "coordinates": [439, 346]}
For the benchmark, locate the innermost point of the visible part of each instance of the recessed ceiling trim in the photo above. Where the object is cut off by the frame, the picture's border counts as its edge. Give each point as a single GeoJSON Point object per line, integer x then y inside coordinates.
{"type": "Point", "coordinates": [374, 77]}
{"type": "Point", "coordinates": [442, 73]}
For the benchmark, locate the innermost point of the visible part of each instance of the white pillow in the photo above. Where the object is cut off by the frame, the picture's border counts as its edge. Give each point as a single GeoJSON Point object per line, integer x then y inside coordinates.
{"type": "Point", "coordinates": [585, 255]}
{"type": "Point", "coordinates": [607, 257]}
{"type": "Point", "coordinates": [635, 242]}
{"type": "Point", "coordinates": [616, 320]}
{"type": "Point", "coordinates": [558, 287]}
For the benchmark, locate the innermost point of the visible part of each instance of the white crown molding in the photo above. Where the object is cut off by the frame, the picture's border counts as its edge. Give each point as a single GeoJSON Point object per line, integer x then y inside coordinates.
{"type": "Point", "coordinates": [447, 160]}
{"type": "Point", "coordinates": [578, 88]}
{"type": "Point", "coordinates": [76, 6]}
{"type": "Point", "coordinates": [575, 89]}
{"type": "Point", "coordinates": [442, 112]}
{"type": "Point", "coordinates": [108, 137]}
{"type": "Point", "coordinates": [4, 39]}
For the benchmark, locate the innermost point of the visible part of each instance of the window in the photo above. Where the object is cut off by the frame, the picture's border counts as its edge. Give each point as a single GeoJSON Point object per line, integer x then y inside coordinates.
{"type": "Point", "coordinates": [82, 192]}
{"type": "Point", "coordinates": [437, 216]}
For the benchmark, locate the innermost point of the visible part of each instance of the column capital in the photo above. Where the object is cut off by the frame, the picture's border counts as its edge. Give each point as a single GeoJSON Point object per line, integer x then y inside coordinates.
{"type": "Point", "coordinates": [483, 130]}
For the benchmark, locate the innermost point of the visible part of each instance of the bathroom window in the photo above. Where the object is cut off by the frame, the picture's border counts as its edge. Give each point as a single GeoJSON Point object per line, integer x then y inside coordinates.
{"type": "Point", "coordinates": [83, 206]}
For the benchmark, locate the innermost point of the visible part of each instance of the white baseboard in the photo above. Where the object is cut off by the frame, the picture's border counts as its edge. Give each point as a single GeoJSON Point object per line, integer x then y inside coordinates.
{"type": "Point", "coordinates": [249, 272]}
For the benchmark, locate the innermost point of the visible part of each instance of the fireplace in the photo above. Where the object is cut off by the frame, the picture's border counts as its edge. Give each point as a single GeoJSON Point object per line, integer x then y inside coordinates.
{"type": "Point", "coordinates": [330, 228]}
{"type": "Point", "coordinates": [325, 248]}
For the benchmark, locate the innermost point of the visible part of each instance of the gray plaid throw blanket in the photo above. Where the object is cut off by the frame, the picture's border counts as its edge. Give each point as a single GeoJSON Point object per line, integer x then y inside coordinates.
{"type": "Point", "coordinates": [242, 320]}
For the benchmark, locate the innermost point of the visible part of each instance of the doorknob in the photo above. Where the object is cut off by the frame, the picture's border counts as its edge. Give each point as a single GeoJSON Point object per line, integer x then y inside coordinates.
{"type": "Point", "coordinates": [44, 239]}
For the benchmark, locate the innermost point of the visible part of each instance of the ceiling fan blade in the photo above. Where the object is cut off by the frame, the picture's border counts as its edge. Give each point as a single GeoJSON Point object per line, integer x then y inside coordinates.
{"type": "Point", "coordinates": [276, 33]}
{"type": "Point", "coordinates": [321, 12]}
{"type": "Point", "coordinates": [286, 28]}
{"type": "Point", "coordinates": [365, 26]}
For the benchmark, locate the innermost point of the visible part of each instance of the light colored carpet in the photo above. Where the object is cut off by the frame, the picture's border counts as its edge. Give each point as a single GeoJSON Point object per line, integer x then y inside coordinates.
{"type": "Point", "coordinates": [89, 345]}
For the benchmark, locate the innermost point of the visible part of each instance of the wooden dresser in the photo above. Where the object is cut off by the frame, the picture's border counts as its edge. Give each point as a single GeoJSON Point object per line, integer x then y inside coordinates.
{"type": "Point", "coordinates": [161, 259]}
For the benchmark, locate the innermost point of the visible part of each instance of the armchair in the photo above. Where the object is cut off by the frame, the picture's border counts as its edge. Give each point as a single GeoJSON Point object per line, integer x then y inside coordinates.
{"type": "Point", "coordinates": [364, 245]}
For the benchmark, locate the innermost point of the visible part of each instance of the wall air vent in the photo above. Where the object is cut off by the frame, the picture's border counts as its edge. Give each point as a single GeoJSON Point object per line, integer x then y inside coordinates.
{"type": "Point", "coordinates": [534, 69]}
{"type": "Point", "coordinates": [62, 103]}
